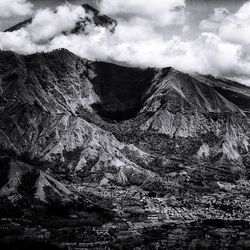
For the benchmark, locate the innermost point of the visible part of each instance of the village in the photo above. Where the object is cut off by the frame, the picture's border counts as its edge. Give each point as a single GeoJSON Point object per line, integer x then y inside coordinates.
{"type": "Point", "coordinates": [139, 213]}
{"type": "Point", "coordinates": [168, 209]}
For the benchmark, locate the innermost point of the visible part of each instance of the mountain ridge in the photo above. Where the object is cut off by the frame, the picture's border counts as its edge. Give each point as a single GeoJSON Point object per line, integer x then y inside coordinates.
{"type": "Point", "coordinates": [171, 85]}
{"type": "Point", "coordinates": [94, 144]}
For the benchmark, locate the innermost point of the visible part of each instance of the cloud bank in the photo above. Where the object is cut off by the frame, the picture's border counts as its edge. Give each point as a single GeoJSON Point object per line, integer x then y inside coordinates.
{"type": "Point", "coordinates": [12, 8]}
{"type": "Point", "coordinates": [213, 22]}
{"type": "Point", "coordinates": [221, 48]}
{"type": "Point", "coordinates": [236, 28]}
{"type": "Point", "coordinates": [157, 12]}
{"type": "Point", "coordinates": [47, 24]}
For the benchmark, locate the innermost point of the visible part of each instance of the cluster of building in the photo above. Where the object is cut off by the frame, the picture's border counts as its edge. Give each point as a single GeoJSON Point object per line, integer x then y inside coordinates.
{"type": "Point", "coordinates": [138, 212]}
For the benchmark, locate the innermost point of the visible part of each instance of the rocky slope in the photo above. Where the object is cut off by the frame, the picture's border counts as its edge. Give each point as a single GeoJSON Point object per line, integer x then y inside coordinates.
{"type": "Point", "coordinates": [24, 180]}
{"type": "Point", "coordinates": [104, 123]}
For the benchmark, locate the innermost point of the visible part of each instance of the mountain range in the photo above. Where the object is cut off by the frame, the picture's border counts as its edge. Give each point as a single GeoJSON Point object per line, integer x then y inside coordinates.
{"type": "Point", "coordinates": [82, 135]}
{"type": "Point", "coordinates": [105, 123]}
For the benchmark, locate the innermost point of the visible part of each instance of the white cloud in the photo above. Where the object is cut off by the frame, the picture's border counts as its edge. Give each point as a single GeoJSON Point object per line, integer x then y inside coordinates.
{"type": "Point", "coordinates": [214, 21]}
{"type": "Point", "coordinates": [10, 8]}
{"type": "Point", "coordinates": [207, 54]}
{"type": "Point", "coordinates": [46, 24]}
{"type": "Point", "coordinates": [233, 28]}
{"type": "Point", "coordinates": [219, 14]}
{"type": "Point", "coordinates": [160, 12]}
{"type": "Point", "coordinates": [236, 28]}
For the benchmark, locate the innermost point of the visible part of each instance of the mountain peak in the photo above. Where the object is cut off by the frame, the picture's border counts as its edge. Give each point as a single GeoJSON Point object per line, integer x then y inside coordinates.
{"type": "Point", "coordinates": [98, 19]}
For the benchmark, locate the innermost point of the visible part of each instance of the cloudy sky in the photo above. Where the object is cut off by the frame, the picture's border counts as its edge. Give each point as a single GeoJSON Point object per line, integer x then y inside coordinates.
{"type": "Point", "coordinates": [205, 36]}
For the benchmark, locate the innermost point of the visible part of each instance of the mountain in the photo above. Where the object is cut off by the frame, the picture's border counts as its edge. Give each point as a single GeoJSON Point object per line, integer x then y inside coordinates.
{"type": "Point", "coordinates": [97, 19]}
{"type": "Point", "coordinates": [102, 135]}
{"type": "Point", "coordinates": [69, 113]}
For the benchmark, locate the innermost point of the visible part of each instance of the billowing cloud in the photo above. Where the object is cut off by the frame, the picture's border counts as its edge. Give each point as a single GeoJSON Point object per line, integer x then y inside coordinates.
{"type": "Point", "coordinates": [140, 38]}
{"type": "Point", "coordinates": [47, 23]}
{"type": "Point", "coordinates": [236, 28]}
{"type": "Point", "coordinates": [160, 12]}
{"type": "Point", "coordinates": [233, 29]}
{"type": "Point", "coordinates": [10, 8]}
{"type": "Point", "coordinates": [214, 21]}
{"type": "Point", "coordinates": [145, 47]}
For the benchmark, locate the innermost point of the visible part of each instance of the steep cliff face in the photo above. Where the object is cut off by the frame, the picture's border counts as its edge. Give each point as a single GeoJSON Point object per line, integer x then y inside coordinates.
{"type": "Point", "coordinates": [102, 123]}
{"type": "Point", "coordinates": [41, 95]}
{"type": "Point", "coordinates": [186, 106]}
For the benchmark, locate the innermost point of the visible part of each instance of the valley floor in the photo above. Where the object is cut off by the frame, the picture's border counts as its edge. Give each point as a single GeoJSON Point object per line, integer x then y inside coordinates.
{"type": "Point", "coordinates": [213, 221]}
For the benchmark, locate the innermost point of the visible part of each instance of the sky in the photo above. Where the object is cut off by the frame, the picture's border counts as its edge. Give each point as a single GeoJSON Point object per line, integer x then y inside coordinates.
{"type": "Point", "coordinates": [204, 36]}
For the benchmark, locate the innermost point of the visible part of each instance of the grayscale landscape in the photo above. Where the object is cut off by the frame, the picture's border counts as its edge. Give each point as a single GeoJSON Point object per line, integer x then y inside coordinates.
{"type": "Point", "coordinates": [98, 152]}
